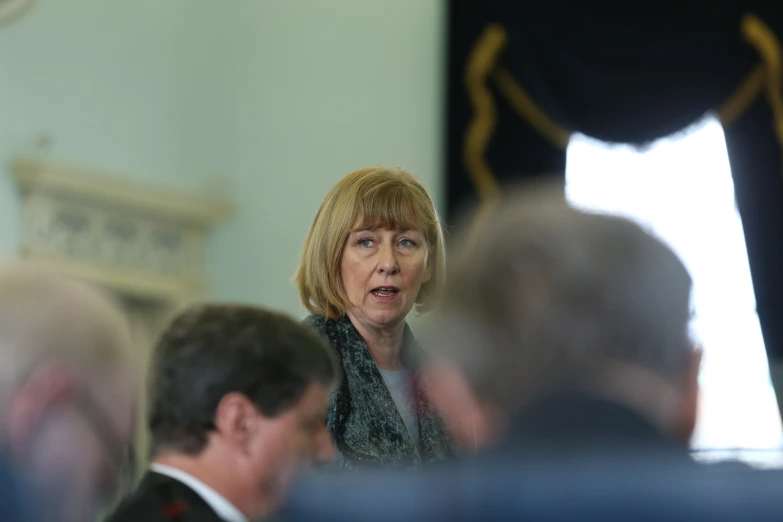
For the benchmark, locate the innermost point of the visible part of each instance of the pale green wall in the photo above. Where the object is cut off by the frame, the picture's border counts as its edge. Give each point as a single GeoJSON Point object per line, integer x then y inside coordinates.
{"type": "Point", "coordinates": [107, 81]}
{"type": "Point", "coordinates": [268, 101]}
{"type": "Point", "coordinates": [323, 88]}
{"type": "Point", "coordinates": [107, 84]}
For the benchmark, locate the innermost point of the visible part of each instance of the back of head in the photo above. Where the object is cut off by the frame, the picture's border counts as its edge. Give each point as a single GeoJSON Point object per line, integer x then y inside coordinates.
{"type": "Point", "coordinates": [67, 388]}
{"type": "Point", "coordinates": [48, 317]}
{"type": "Point", "coordinates": [210, 351]}
{"type": "Point", "coordinates": [544, 297]}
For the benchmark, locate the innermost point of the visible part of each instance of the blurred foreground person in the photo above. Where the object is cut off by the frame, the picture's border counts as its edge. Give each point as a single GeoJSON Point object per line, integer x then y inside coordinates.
{"type": "Point", "coordinates": [566, 332]}
{"type": "Point", "coordinates": [238, 403]}
{"type": "Point", "coordinates": [562, 358]}
{"type": "Point", "coordinates": [12, 497]}
{"type": "Point", "coordinates": [554, 491]}
{"type": "Point", "coordinates": [67, 390]}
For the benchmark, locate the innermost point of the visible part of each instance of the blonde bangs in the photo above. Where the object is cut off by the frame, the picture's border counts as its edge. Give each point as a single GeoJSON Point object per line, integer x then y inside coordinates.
{"type": "Point", "coordinates": [374, 197]}
{"type": "Point", "coordinates": [395, 205]}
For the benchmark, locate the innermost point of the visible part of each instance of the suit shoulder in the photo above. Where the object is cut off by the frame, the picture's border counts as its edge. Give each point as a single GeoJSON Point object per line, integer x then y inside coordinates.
{"type": "Point", "coordinates": [158, 498]}
{"type": "Point", "coordinates": [152, 510]}
{"type": "Point", "coordinates": [136, 508]}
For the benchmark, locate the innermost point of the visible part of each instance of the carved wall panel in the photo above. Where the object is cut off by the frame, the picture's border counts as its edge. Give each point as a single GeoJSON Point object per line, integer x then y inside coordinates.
{"type": "Point", "coordinates": [139, 240]}
{"type": "Point", "coordinates": [144, 244]}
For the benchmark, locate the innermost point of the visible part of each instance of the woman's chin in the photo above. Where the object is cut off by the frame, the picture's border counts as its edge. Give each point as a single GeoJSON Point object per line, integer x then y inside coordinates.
{"type": "Point", "coordinates": [388, 318]}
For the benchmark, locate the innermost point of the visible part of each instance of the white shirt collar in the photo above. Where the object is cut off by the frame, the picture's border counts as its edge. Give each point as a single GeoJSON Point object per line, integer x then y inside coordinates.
{"type": "Point", "coordinates": [222, 507]}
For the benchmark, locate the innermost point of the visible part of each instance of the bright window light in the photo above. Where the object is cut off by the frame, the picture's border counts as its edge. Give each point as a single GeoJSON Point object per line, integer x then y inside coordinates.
{"type": "Point", "coordinates": [681, 190]}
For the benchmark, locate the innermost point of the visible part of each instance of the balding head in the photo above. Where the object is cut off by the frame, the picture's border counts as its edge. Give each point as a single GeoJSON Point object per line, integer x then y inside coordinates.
{"type": "Point", "coordinates": [46, 316]}
{"type": "Point", "coordinates": [67, 386]}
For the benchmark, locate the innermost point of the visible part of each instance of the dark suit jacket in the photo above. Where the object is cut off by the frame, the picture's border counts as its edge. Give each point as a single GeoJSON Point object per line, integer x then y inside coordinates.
{"type": "Point", "coordinates": [14, 505]}
{"type": "Point", "coordinates": [363, 420]}
{"type": "Point", "coordinates": [567, 458]}
{"type": "Point", "coordinates": [570, 426]}
{"type": "Point", "coordinates": [639, 491]}
{"type": "Point", "coordinates": [159, 498]}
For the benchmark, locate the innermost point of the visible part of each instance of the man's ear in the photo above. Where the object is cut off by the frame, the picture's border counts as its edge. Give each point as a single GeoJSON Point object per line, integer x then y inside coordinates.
{"type": "Point", "coordinates": [690, 403]}
{"type": "Point", "coordinates": [472, 424]}
{"type": "Point", "coordinates": [236, 419]}
{"type": "Point", "coordinates": [46, 387]}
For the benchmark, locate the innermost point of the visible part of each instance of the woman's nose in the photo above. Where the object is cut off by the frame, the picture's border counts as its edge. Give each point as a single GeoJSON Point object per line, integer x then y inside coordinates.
{"type": "Point", "coordinates": [388, 261]}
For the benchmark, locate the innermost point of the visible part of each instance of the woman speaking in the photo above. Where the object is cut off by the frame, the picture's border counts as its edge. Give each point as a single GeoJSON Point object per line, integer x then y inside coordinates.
{"type": "Point", "coordinates": [373, 252]}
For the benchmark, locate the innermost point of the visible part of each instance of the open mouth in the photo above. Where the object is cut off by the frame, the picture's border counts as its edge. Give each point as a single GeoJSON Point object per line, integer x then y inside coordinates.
{"type": "Point", "coordinates": [385, 293]}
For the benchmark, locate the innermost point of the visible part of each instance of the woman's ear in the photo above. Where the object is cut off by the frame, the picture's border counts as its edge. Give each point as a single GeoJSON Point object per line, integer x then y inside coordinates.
{"type": "Point", "coordinates": [427, 273]}
{"type": "Point", "coordinates": [471, 424]}
{"type": "Point", "coordinates": [428, 267]}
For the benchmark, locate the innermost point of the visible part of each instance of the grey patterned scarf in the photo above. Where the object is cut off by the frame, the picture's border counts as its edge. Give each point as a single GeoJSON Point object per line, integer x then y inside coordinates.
{"type": "Point", "coordinates": [363, 420]}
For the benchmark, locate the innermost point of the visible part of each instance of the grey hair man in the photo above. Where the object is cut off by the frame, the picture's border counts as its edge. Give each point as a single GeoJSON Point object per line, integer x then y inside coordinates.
{"type": "Point", "coordinates": [565, 330]}
{"type": "Point", "coordinates": [67, 389]}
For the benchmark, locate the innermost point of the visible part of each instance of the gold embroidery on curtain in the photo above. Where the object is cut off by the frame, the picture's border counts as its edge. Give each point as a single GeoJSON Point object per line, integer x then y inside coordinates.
{"type": "Point", "coordinates": [481, 66]}
{"type": "Point", "coordinates": [521, 101]}
{"type": "Point", "coordinates": [760, 36]}
{"type": "Point", "coordinates": [480, 63]}
{"type": "Point", "coordinates": [743, 97]}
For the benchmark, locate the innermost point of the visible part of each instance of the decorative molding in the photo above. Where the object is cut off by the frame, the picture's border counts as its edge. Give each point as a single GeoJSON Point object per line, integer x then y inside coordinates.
{"type": "Point", "coordinates": [138, 239]}
{"type": "Point", "coordinates": [116, 190]}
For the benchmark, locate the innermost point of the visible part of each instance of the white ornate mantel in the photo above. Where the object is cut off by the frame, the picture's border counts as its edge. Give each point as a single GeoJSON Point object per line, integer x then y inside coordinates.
{"type": "Point", "coordinates": [136, 239]}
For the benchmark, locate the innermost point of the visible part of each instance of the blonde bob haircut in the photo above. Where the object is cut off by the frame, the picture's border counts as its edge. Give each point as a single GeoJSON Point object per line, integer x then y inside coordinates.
{"type": "Point", "coordinates": [383, 197]}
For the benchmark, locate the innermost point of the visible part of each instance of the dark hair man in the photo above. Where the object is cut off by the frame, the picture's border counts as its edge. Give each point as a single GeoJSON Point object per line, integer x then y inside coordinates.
{"type": "Point", "coordinates": [238, 403]}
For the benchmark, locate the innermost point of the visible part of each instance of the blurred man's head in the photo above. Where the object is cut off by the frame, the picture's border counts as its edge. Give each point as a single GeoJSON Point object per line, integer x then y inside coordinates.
{"type": "Point", "coordinates": [67, 387]}
{"type": "Point", "coordinates": [542, 299]}
{"type": "Point", "coordinates": [239, 400]}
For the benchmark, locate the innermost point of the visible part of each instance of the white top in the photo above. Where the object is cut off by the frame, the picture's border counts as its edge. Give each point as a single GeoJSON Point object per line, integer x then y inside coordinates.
{"type": "Point", "coordinates": [401, 390]}
{"type": "Point", "coordinates": [222, 507]}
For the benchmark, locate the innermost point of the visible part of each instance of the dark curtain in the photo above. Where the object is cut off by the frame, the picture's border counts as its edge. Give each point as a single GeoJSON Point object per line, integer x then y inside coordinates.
{"type": "Point", "coordinates": [523, 75]}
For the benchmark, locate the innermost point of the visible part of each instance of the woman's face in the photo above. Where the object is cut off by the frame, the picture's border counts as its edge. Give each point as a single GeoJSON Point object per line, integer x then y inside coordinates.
{"type": "Point", "coordinates": [382, 271]}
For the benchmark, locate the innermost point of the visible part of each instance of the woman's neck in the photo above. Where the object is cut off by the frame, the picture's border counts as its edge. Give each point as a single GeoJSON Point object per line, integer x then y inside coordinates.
{"type": "Point", "coordinates": [385, 343]}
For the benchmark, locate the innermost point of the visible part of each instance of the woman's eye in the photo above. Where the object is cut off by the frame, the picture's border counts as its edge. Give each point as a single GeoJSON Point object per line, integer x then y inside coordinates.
{"type": "Point", "coordinates": [407, 243]}
{"type": "Point", "coordinates": [365, 242]}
